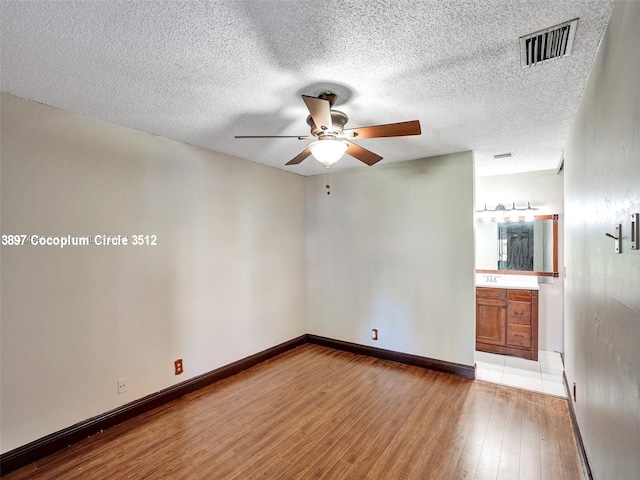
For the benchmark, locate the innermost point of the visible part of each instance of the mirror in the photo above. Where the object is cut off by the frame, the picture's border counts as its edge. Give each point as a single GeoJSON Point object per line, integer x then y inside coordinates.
{"type": "Point", "coordinates": [518, 247]}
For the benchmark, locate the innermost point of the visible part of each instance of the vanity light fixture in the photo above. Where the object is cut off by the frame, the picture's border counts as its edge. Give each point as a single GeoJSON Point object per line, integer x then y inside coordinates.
{"type": "Point", "coordinates": [500, 213]}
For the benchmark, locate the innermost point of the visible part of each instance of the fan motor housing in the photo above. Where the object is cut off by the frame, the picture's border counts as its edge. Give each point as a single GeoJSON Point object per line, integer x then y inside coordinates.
{"type": "Point", "coordinates": [338, 119]}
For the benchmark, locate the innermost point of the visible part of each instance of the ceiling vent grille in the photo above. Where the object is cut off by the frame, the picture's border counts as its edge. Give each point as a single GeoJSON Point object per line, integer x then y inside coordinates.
{"type": "Point", "coordinates": [553, 42]}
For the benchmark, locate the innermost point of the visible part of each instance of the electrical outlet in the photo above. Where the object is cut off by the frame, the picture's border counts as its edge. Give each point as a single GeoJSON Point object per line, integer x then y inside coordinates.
{"type": "Point", "coordinates": [178, 366]}
{"type": "Point", "coordinates": [374, 334]}
{"type": "Point", "coordinates": [122, 385]}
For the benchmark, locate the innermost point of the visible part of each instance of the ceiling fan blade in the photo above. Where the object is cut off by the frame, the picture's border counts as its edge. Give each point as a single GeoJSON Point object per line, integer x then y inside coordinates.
{"type": "Point", "coordinates": [320, 111]}
{"type": "Point", "coordinates": [400, 129]}
{"type": "Point", "coordinates": [299, 158]}
{"type": "Point", "coordinates": [362, 154]}
{"type": "Point", "coordinates": [299, 137]}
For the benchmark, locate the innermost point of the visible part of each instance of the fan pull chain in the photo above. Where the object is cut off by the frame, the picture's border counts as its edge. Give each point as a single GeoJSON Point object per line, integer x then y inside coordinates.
{"type": "Point", "coordinates": [328, 187]}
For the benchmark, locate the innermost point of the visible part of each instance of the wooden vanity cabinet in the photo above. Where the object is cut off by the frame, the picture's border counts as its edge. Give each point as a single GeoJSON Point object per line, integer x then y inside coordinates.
{"type": "Point", "coordinates": [507, 321]}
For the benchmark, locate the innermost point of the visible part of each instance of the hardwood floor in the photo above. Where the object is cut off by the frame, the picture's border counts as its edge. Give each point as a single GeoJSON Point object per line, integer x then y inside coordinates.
{"type": "Point", "coordinates": [317, 413]}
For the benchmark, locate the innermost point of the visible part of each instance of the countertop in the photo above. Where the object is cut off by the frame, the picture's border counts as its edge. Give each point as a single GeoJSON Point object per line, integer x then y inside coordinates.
{"type": "Point", "coordinates": [508, 281]}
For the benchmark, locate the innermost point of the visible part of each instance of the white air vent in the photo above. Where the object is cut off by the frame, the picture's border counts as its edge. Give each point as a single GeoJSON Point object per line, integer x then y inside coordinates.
{"type": "Point", "coordinates": [553, 42]}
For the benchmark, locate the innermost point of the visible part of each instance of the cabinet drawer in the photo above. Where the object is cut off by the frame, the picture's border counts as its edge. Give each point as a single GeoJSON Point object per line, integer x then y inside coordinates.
{"type": "Point", "coordinates": [518, 336]}
{"type": "Point", "coordinates": [499, 293]}
{"type": "Point", "coordinates": [519, 313]}
{"type": "Point", "coordinates": [519, 295]}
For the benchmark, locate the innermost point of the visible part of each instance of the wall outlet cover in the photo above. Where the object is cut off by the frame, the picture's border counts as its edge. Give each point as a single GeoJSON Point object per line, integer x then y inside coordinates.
{"type": "Point", "coordinates": [122, 385]}
{"type": "Point", "coordinates": [178, 366]}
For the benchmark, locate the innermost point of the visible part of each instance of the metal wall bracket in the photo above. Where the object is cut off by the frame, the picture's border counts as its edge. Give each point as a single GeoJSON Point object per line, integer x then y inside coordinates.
{"type": "Point", "coordinates": [635, 230]}
{"type": "Point", "coordinates": [617, 237]}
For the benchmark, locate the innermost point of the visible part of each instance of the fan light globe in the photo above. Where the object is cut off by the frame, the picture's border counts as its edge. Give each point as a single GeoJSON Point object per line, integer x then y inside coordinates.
{"type": "Point", "coordinates": [328, 151]}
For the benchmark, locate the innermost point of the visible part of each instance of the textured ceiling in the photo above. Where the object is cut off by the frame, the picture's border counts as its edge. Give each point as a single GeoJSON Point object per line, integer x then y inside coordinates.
{"type": "Point", "coordinates": [204, 71]}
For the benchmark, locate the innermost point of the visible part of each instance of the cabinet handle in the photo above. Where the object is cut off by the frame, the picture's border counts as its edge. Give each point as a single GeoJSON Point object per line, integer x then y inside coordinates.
{"type": "Point", "coordinates": [503, 307]}
{"type": "Point", "coordinates": [521, 336]}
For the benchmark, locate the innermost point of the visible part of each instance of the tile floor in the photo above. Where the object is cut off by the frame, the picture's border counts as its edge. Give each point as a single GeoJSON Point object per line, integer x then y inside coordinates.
{"type": "Point", "coordinates": [544, 376]}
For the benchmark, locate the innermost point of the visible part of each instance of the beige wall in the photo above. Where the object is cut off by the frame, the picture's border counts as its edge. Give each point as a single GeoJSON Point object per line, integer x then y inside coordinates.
{"type": "Point", "coordinates": [545, 190]}
{"type": "Point", "coordinates": [225, 280]}
{"type": "Point", "coordinates": [392, 248]}
{"type": "Point", "coordinates": [602, 289]}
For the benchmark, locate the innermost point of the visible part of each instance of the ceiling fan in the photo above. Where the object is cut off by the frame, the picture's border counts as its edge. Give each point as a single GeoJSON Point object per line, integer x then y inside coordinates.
{"type": "Point", "coordinates": [332, 140]}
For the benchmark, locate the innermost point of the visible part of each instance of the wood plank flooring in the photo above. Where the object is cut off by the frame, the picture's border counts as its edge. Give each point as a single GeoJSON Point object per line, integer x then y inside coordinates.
{"type": "Point", "coordinates": [318, 413]}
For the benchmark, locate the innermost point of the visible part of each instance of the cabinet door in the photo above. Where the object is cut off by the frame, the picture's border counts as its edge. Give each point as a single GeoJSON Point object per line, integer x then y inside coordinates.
{"type": "Point", "coordinates": [491, 321]}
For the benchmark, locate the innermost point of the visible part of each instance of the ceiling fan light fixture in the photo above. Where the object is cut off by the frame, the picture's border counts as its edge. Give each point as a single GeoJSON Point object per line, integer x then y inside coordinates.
{"type": "Point", "coordinates": [328, 151]}
{"type": "Point", "coordinates": [327, 127]}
